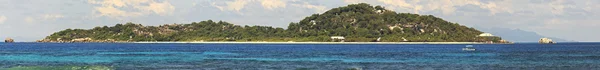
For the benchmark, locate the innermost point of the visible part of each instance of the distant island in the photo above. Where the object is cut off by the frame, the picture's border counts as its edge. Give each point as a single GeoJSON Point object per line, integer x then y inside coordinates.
{"type": "Point", "coordinates": [353, 23]}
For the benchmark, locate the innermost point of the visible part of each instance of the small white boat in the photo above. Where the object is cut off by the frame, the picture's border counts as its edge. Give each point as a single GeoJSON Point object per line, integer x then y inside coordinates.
{"type": "Point", "coordinates": [469, 48]}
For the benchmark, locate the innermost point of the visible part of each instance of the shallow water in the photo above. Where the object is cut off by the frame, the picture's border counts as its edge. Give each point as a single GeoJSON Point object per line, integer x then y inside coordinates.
{"type": "Point", "coordinates": [123, 56]}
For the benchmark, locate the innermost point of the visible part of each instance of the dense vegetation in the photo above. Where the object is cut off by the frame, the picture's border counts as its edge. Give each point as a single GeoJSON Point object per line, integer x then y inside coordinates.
{"type": "Point", "coordinates": [356, 22]}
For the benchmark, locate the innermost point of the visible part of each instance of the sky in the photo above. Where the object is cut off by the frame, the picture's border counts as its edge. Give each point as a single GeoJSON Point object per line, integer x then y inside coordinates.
{"type": "Point", "coordinates": [30, 20]}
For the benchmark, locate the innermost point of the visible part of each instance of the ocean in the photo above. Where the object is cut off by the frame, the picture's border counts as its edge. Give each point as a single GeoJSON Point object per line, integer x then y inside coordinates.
{"type": "Point", "coordinates": [182, 56]}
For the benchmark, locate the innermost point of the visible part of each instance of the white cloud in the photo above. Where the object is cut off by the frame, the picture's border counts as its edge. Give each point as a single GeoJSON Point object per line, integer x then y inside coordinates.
{"type": "Point", "coordinates": [131, 8]}
{"type": "Point", "coordinates": [42, 18]}
{"type": "Point", "coordinates": [271, 4]}
{"type": "Point", "coordinates": [402, 4]}
{"type": "Point", "coordinates": [52, 16]}
{"type": "Point", "coordinates": [2, 19]}
{"type": "Point", "coordinates": [447, 7]}
{"type": "Point", "coordinates": [317, 8]}
{"type": "Point", "coordinates": [554, 22]}
{"type": "Point", "coordinates": [236, 5]}
{"type": "Point", "coordinates": [164, 8]}
{"type": "Point", "coordinates": [354, 1]}
{"type": "Point", "coordinates": [114, 12]}
{"type": "Point", "coordinates": [239, 5]}
{"type": "Point", "coordinates": [590, 6]}
{"type": "Point", "coordinates": [29, 20]}
{"type": "Point", "coordinates": [557, 6]}
{"type": "Point", "coordinates": [399, 3]}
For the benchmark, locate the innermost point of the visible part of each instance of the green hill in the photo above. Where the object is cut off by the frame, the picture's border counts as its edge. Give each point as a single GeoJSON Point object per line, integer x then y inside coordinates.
{"type": "Point", "coordinates": [356, 22]}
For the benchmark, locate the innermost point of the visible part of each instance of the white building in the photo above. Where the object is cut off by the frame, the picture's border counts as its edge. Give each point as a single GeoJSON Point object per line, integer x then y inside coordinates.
{"type": "Point", "coordinates": [338, 38]}
{"type": "Point", "coordinates": [485, 35]}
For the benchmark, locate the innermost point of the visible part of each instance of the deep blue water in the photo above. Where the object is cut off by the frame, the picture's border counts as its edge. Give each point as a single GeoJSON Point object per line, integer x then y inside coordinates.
{"type": "Point", "coordinates": [123, 56]}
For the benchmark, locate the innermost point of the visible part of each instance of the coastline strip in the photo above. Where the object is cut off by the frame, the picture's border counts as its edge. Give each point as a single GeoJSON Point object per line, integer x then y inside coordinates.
{"type": "Point", "coordinates": [323, 42]}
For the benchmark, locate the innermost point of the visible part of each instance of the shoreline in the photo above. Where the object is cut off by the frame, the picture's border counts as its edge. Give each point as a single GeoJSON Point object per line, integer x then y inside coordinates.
{"type": "Point", "coordinates": [318, 42]}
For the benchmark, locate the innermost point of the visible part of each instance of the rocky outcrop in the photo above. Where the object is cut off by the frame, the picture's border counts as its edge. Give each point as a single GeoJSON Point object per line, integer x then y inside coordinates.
{"type": "Point", "coordinates": [546, 41]}
{"type": "Point", "coordinates": [9, 40]}
{"type": "Point", "coordinates": [504, 42]}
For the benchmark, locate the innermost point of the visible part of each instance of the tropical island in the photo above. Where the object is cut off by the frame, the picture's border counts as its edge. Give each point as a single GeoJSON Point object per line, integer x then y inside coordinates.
{"type": "Point", "coordinates": [353, 23]}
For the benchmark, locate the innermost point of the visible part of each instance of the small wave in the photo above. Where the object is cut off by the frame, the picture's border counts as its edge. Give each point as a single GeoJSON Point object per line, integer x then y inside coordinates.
{"type": "Point", "coordinates": [312, 59]}
{"type": "Point", "coordinates": [61, 68]}
{"type": "Point", "coordinates": [220, 53]}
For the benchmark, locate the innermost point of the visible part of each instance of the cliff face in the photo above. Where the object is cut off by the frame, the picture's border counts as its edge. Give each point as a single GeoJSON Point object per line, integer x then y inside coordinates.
{"type": "Point", "coordinates": [356, 22]}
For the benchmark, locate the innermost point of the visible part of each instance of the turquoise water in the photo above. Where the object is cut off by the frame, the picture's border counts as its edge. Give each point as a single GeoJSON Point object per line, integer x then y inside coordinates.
{"type": "Point", "coordinates": [124, 56]}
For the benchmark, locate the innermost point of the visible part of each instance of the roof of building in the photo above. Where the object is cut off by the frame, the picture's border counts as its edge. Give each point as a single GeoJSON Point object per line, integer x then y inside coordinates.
{"type": "Point", "coordinates": [337, 37]}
